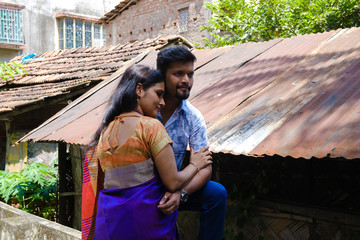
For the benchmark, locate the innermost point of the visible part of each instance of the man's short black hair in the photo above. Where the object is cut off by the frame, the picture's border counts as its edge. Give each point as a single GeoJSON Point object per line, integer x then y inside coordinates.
{"type": "Point", "coordinates": [173, 54]}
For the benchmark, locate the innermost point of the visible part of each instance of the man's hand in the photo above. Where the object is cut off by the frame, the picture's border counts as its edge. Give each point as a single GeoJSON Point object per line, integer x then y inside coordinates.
{"type": "Point", "coordinates": [170, 202]}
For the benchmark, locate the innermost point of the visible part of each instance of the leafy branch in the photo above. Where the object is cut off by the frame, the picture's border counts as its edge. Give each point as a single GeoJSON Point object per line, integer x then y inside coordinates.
{"type": "Point", "coordinates": [240, 21]}
{"type": "Point", "coordinates": [10, 70]}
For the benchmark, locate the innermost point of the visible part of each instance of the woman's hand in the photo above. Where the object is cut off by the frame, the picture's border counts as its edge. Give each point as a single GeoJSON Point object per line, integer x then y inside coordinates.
{"type": "Point", "coordinates": [201, 158]}
{"type": "Point", "coordinates": [170, 202]}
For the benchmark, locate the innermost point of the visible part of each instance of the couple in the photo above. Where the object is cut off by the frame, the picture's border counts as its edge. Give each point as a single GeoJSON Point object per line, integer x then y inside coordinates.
{"type": "Point", "coordinates": [136, 192]}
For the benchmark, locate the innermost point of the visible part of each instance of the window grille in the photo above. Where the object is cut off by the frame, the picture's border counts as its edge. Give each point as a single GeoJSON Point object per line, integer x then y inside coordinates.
{"type": "Point", "coordinates": [78, 33]}
{"type": "Point", "coordinates": [61, 33]}
{"type": "Point", "coordinates": [74, 33]}
{"type": "Point", "coordinates": [97, 35]}
{"type": "Point", "coordinates": [103, 34]}
{"type": "Point", "coordinates": [183, 19]}
{"type": "Point", "coordinates": [69, 33]}
{"type": "Point", "coordinates": [88, 34]}
{"type": "Point", "coordinates": [11, 26]}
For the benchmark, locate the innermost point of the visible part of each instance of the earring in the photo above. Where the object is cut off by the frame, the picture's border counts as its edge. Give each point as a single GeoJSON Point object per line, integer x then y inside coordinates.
{"type": "Point", "coordinates": [137, 99]}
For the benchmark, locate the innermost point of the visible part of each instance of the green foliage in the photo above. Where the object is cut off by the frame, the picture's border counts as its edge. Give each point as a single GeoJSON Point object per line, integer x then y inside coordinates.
{"type": "Point", "coordinates": [240, 21]}
{"type": "Point", "coordinates": [33, 189]}
{"type": "Point", "coordinates": [9, 70]}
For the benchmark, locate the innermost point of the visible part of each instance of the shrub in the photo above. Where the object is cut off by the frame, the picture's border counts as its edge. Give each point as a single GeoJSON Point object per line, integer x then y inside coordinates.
{"type": "Point", "coordinates": [33, 189]}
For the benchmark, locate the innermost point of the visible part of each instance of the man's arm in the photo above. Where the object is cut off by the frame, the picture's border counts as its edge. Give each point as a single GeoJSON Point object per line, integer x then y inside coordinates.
{"type": "Point", "coordinates": [197, 140]}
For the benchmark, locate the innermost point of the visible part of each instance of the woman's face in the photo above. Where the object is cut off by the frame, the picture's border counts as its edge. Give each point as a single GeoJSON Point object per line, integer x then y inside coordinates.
{"type": "Point", "coordinates": [151, 100]}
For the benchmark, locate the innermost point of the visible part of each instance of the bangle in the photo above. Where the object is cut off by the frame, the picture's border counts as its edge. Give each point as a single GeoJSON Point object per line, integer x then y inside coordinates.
{"type": "Point", "coordinates": [195, 165]}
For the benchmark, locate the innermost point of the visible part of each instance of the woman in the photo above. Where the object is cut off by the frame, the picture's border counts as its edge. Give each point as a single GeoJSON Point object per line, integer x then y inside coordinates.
{"type": "Point", "coordinates": [138, 164]}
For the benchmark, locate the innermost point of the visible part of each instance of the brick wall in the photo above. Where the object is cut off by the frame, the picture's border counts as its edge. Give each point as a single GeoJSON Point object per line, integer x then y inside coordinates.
{"type": "Point", "coordinates": [153, 18]}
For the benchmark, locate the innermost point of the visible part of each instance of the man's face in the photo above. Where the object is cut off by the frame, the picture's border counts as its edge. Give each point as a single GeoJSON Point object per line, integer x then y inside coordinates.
{"type": "Point", "coordinates": [179, 79]}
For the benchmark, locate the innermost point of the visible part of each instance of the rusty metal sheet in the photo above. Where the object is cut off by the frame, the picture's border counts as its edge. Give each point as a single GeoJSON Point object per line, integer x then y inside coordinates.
{"type": "Point", "coordinates": [57, 128]}
{"type": "Point", "coordinates": [225, 64]}
{"type": "Point", "coordinates": [204, 56]}
{"type": "Point", "coordinates": [84, 133]}
{"type": "Point", "coordinates": [83, 115]}
{"type": "Point", "coordinates": [296, 97]}
{"type": "Point", "coordinates": [263, 66]}
{"type": "Point", "coordinates": [311, 110]}
{"type": "Point", "coordinates": [328, 124]}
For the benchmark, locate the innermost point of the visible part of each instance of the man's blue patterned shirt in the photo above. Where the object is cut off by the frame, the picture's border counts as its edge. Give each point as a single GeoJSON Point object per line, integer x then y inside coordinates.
{"type": "Point", "coordinates": [186, 126]}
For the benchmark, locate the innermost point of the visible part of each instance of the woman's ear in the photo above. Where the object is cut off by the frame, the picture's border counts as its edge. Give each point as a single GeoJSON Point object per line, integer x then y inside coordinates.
{"type": "Point", "coordinates": [139, 90]}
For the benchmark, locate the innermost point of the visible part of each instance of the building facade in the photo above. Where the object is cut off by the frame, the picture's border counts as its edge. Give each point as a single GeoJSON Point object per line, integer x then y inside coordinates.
{"type": "Point", "coordinates": [33, 27]}
{"type": "Point", "coordinates": [133, 20]}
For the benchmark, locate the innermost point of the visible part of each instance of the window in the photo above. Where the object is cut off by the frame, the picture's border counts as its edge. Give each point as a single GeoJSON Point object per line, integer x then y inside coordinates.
{"type": "Point", "coordinates": [11, 26]}
{"type": "Point", "coordinates": [74, 33]}
{"type": "Point", "coordinates": [183, 19]}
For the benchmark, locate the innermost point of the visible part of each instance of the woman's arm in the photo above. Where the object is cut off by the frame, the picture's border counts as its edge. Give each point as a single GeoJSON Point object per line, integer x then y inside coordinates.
{"type": "Point", "coordinates": [166, 166]}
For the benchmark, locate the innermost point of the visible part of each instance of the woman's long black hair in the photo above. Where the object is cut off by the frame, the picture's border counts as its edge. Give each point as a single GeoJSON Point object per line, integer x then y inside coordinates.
{"type": "Point", "coordinates": [124, 98]}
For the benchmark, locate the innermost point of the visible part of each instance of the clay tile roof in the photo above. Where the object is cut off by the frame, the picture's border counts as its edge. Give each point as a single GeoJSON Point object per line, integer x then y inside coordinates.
{"type": "Point", "coordinates": [63, 70]}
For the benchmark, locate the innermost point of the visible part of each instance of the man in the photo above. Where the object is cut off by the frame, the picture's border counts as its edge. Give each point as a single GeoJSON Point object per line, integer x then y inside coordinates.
{"type": "Point", "coordinates": [185, 125]}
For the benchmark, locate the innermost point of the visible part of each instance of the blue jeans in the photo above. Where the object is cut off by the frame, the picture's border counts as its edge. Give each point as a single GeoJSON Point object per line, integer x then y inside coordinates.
{"type": "Point", "coordinates": [210, 201]}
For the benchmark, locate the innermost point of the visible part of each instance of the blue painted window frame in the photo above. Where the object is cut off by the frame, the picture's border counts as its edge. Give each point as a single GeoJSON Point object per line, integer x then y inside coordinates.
{"type": "Point", "coordinates": [11, 26]}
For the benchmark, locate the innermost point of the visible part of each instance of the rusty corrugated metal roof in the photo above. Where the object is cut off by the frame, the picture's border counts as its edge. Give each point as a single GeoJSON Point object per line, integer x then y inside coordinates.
{"type": "Point", "coordinates": [294, 97]}
{"type": "Point", "coordinates": [59, 72]}
{"type": "Point", "coordinates": [307, 109]}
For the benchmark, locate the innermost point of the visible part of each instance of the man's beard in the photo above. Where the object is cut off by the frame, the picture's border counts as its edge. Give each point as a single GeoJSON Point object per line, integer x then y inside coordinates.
{"type": "Point", "coordinates": [184, 95]}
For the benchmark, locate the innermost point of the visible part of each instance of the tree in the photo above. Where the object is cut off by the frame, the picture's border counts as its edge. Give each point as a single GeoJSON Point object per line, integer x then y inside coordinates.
{"type": "Point", "coordinates": [240, 21]}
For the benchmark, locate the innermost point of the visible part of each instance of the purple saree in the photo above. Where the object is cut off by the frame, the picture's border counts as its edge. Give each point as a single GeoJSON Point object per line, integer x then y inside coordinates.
{"type": "Point", "coordinates": [130, 212]}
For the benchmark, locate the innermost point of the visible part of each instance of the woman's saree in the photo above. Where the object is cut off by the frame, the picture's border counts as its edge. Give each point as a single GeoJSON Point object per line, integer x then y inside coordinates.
{"type": "Point", "coordinates": [122, 202]}
{"type": "Point", "coordinates": [130, 212]}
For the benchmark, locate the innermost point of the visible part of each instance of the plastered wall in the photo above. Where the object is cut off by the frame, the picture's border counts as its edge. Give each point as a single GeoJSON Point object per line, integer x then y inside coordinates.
{"type": "Point", "coordinates": [40, 25]}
